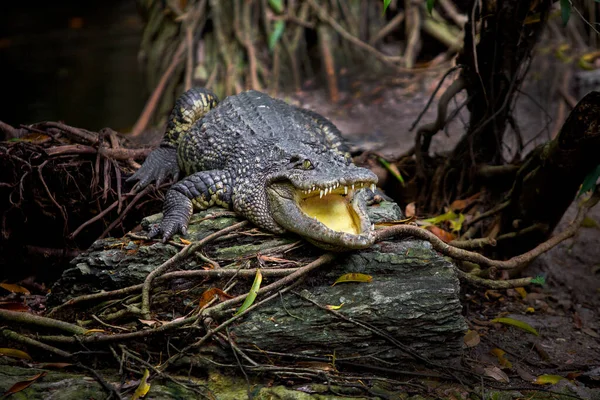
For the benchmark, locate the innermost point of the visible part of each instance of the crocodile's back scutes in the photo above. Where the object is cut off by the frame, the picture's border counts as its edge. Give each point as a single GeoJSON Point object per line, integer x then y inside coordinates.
{"type": "Point", "coordinates": [247, 127]}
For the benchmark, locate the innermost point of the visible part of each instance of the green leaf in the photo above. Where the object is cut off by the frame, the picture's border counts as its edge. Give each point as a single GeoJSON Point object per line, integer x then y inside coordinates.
{"type": "Point", "coordinates": [252, 294]}
{"type": "Point", "coordinates": [565, 10]}
{"type": "Point", "coordinates": [539, 280]}
{"type": "Point", "coordinates": [517, 324]}
{"type": "Point", "coordinates": [276, 34]}
{"type": "Point", "coordinates": [392, 169]}
{"type": "Point", "coordinates": [548, 379]}
{"type": "Point", "coordinates": [589, 182]}
{"type": "Point", "coordinates": [430, 4]}
{"type": "Point", "coordinates": [276, 5]}
{"type": "Point", "coordinates": [386, 4]}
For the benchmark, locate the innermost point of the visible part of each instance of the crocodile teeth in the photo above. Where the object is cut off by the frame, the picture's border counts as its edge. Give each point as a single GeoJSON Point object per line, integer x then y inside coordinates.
{"type": "Point", "coordinates": [373, 187]}
{"type": "Point", "coordinates": [372, 227]}
{"type": "Point", "coordinates": [320, 194]}
{"type": "Point", "coordinates": [345, 189]}
{"type": "Point", "coordinates": [352, 186]}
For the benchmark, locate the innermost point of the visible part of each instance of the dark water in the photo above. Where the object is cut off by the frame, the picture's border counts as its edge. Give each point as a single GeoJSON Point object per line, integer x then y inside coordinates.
{"type": "Point", "coordinates": [74, 61]}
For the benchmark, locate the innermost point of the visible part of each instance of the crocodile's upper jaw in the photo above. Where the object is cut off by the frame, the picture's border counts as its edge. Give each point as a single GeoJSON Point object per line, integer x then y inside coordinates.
{"type": "Point", "coordinates": [333, 218]}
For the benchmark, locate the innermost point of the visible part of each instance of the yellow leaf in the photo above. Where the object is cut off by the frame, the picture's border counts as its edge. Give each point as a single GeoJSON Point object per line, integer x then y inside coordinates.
{"type": "Point", "coordinates": [521, 291]}
{"type": "Point", "coordinates": [252, 294]}
{"type": "Point", "coordinates": [90, 331]}
{"type": "Point", "coordinates": [14, 353]}
{"type": "Point", "coordinates": [353, 277]}
{"type": "Point", "coordinates": [456, 224]}
{"type": "Point", "coordinates": [589, 222]}
{"type": "Point", "coordinates": [441, 218]}
{"type": "Point", "coordinates": [330, 307]}
{"type": "Point", "coordinates": [547, 379]}
{"type": "Point", "coordinates": [11, 287]}
{"type": "Point", "coordinates": [143, 387]}
{"type": "Point", "coordinates": [471, 338]}
{"type": "Point", "coordinates": [518, 324]}
{"type": "Point", "coordinates": [530, 310]}
{"type": "Point", "coordinates": [501, 355]}
{"type": "Point", "coordinates": [186, 242]}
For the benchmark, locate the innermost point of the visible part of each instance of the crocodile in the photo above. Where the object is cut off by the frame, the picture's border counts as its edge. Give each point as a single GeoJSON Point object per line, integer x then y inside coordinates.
{"type": "Point", "coordinates": [282, 167]}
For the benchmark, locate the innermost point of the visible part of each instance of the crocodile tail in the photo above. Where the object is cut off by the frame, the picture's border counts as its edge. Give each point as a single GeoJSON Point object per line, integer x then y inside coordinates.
{"type": "Point", "coordinates": [189, 108]}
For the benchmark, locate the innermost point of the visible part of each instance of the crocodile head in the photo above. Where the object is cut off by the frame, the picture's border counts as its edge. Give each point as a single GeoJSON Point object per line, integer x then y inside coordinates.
{"type": "Point", "coordinates": [323, 199]}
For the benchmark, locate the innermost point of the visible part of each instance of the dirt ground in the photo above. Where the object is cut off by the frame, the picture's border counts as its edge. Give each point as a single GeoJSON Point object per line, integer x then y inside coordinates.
{"type": "Point", "coordinates": [566, 310]}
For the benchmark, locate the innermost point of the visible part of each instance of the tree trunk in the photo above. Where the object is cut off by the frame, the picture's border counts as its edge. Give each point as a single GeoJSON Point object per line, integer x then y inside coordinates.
{"type": "Point", "coordinates": [493, 71]}
{"type": "Point", "coordinates": [550, 178]}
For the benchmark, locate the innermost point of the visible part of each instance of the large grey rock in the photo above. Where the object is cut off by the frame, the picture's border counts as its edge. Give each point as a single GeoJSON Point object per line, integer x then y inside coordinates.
{"type": "Point", "coordinates": [413, 296]}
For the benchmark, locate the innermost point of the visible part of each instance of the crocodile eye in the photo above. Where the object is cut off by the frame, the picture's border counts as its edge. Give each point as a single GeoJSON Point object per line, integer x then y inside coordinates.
{"type": "Point", "coordinates": [306, 164]}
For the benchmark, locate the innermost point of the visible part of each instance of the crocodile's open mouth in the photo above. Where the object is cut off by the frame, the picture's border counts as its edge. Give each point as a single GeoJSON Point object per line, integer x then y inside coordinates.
{"type": "Point", "coordinates": [333, 217]}
{"type": "Point", "coordinates": [332, 207]}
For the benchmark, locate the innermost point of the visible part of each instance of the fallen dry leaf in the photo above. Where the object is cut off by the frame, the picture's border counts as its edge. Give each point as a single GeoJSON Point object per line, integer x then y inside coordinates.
{"type": "Point", "coordinates": [445, 236]}
{"type": "Point", "coordinates": [497, 374]}
{"type": "Point", "coordinates": [410, 210]}
{"type": "Point", "coordinates": [22, 385]}
{"type": "Point", "coordinates": [11, 287]}
{"type": "Point", "coordinates": [471, 338]}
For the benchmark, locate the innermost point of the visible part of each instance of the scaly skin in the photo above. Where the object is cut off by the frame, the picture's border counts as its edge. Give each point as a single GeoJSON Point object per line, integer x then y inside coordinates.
{"type": "Point", "coordinates": [263, 158]}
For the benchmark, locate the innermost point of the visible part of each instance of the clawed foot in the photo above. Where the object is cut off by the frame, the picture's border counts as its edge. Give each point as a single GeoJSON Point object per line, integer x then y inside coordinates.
{"type": "Point", "coordinates": [168, 229]}
{"type": "Point", "coordinates": [159, 166]}
{"type": "Point", "coordinates": [176, 216]}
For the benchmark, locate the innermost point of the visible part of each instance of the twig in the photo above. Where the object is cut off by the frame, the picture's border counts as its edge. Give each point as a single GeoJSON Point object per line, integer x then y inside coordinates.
{"type": "Point", "coordinates": [62, 210]}
{"type": "Point", "coordinates": [427, 131]}
{"type": "Point", "coordinates": [413, 32]}
{"type": "Point", "coordinates": [450, 9]}
{"type": "Point", "coordinates": [94, 219]}
{"type": "Point", "coordinates": [89, 137]}
{"type": "Point", "coordinates": [124, 213]}
{"type": "Point", "coordinates": [105, 385]}
{"type": "Point", "coordinates": [170, 263]}
{"type": "Point", "coordinates": [487, 214]}
{"type": "Point", "coordinates": [116, 154]}
{"type": "Point", "coordinates": [424, 110]}
{"type": "Point", "coordinates": [322, 13]}
{"type": "Point", "coordinates": [387, 29]}
{"type": "Point", "coordinates": [32, 319]}
{"type": "Point", "coordinates": [17, 337]}
{"type": "Point", "coordinates": [152, 102]}
{"type": "Point", "coordinates": [328, 63]}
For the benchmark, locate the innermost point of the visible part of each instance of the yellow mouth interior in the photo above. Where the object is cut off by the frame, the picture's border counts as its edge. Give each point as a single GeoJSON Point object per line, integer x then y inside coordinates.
{"type": "Point", "coordinates": [333, 211]}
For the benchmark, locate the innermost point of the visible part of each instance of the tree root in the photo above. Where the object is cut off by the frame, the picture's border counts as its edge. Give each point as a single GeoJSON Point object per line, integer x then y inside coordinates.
{"type": "Point", "coordinates": [515, 262]}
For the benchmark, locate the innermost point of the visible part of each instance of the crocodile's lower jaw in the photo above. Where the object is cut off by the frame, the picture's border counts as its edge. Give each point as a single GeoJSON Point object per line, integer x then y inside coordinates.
{"type": "Point", "coordinates": [335, 221]}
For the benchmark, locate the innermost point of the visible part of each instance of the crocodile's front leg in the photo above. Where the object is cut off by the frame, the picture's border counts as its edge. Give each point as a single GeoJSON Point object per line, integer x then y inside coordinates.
{"type": "Point", "coordinates": [159, 166]}
{"type": "Point", "coordinates": [201, 190]}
